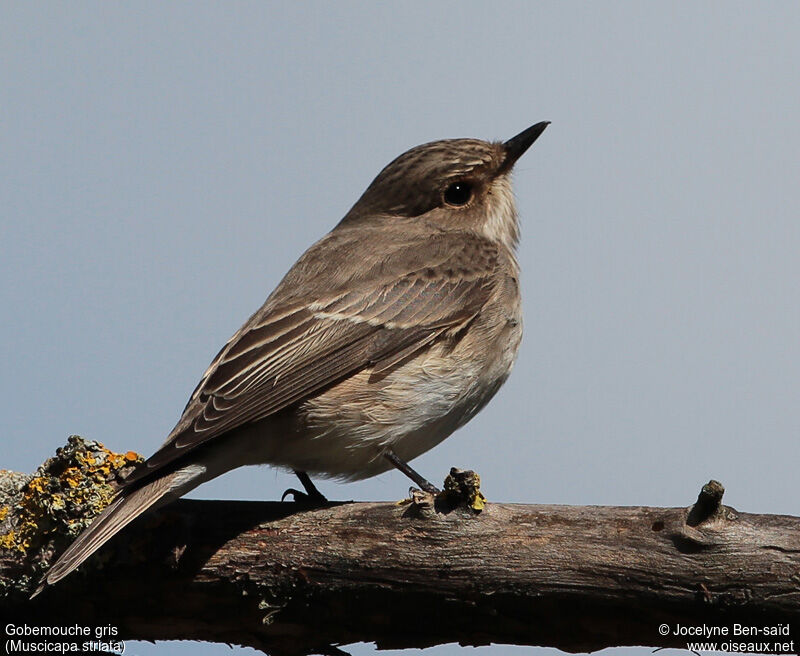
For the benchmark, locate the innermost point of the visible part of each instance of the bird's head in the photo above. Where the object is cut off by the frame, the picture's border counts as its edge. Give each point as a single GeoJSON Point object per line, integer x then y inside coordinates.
{"type": "Point", "coordinates": [454, 184]}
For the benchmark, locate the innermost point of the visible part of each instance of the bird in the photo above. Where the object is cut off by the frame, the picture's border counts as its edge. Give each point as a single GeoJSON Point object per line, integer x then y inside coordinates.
{"type": "Point", "coordinates": [387, 335]}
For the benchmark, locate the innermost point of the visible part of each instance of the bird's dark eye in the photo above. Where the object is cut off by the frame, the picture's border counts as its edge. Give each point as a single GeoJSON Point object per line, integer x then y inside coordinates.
{"type": "Point", "coordinates": [458, 193]}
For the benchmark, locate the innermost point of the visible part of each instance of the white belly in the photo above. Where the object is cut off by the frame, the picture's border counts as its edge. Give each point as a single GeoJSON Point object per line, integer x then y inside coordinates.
{"type": "Point", "coordinates": [343, 432]}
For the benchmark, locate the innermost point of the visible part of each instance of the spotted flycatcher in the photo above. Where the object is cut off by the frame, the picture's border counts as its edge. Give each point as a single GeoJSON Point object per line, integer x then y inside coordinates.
{"type": "Point", "coordinates": [387, 335]}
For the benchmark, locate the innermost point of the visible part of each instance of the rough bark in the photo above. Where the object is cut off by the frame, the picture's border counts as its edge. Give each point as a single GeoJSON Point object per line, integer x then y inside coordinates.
{"type": "Point", "coordinates": [289, 579]}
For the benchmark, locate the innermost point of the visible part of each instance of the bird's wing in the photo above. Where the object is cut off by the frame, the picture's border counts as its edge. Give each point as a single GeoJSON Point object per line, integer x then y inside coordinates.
{"type": "Point", "coordinates": [289, 352]}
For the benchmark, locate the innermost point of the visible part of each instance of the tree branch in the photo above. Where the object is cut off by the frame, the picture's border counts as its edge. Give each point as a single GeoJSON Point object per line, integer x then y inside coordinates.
{"type": "Point", "coordinates": [289, 579]}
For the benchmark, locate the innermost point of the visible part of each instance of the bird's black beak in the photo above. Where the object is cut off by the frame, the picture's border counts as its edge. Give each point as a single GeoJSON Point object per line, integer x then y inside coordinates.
{"type": "Point", "coordinates": [516, 146]}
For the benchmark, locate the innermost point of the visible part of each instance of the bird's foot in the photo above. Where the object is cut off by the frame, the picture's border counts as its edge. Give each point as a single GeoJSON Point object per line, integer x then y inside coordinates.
{"type": "Point", "coordinates": [462, 489]}
{"type": "Point", "coordinates": [429, 488]}
{"type": "Point", "coordinates": [311, 497]}
{"type": "Point", "coordinates": [317, 499]}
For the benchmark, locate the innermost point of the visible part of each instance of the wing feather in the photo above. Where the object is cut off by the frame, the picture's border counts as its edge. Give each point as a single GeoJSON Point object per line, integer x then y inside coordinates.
{"type": "Point", "coordinates": [288, 352]}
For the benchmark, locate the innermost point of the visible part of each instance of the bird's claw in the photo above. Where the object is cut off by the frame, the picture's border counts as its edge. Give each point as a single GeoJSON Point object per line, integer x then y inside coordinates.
{"type": "Point", "coordinates": [304, 497]}
{"type": "Point", "coordinates": [428, 489]}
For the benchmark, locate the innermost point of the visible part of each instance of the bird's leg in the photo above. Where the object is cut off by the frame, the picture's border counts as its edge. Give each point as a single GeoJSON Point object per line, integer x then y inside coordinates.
{"type": "Point", "coordinates": [404, 467]}
{"type": "Point", "coordinates": [310, 488]}
{"type": "Point", "coordinates": [311, 495]}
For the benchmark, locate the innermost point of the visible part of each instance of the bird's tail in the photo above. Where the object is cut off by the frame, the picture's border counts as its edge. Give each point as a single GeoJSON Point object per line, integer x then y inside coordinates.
{"type": "Point", "coordinates": [123, 510]}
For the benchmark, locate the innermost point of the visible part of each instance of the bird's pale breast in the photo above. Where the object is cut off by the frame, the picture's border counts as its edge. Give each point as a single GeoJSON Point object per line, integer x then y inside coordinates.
{"type": "Point", "coordinates": [411, 408]}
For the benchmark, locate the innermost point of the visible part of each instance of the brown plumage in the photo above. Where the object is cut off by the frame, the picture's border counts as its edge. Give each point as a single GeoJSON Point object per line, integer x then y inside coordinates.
{"type": "Point", "coordinates": [385, 336]}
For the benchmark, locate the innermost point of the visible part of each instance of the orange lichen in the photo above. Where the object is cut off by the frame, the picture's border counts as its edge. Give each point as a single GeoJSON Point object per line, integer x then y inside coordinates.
{"type": "Point", "coordinates": [8, 541]}
{"type": "Point", "coordinates": [66, 493]}
{"type": "Point", "coordinates": [464, 486]}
